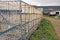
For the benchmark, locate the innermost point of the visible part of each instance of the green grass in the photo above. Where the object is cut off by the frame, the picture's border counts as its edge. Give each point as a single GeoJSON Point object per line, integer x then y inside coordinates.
{"type": "Point", "coordinates": [52, 17]}
{"type": "Point", "coordinates": [44, 32]}
{"type": "Point", "coordinates": [49, 16]}
{"type": "Point", "coordinates": [59, 17]}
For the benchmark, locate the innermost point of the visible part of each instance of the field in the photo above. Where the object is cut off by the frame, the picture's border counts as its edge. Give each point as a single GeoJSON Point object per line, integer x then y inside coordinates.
{"type": "Point", "coordinates": [45, 31]}
{"type": "Point", "coordinates": [55, 17]}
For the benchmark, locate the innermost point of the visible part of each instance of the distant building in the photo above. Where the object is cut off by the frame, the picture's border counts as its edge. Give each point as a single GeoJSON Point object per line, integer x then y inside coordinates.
{"type": "Point", "coordinates": [51, 12]}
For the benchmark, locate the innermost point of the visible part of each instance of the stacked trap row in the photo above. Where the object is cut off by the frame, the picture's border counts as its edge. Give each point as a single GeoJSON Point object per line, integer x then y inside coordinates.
{"type": "Point", "coordinates": [18, 20]}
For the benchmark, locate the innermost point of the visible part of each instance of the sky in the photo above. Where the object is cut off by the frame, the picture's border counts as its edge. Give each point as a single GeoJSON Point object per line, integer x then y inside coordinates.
{"type": "Point", "coordinates": [44, 2]}
{"type": "Point", "coordinates": [41, 2]}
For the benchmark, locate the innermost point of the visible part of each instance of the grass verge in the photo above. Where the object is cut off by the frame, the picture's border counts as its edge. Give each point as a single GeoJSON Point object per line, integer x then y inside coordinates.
{"type": "Point", "coordinates": [52, 17]}
{"type": "Point", "coordinates": [44, 32]}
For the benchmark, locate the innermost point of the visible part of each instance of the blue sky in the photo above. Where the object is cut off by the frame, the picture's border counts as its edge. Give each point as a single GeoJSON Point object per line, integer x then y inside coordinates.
{"type": "Point", "coordinates": [42, 2]}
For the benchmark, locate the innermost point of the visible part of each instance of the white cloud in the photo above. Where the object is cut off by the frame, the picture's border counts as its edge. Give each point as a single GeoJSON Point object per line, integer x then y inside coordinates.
{"type": "Point", "coordinates": [40, 2]}
{"type": "Point", "coordinates": [44, 2]}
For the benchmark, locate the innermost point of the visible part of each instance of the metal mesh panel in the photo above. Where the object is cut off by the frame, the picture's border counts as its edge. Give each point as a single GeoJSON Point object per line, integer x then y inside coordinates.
{"type": "Point", "coordinates": [18, 20]}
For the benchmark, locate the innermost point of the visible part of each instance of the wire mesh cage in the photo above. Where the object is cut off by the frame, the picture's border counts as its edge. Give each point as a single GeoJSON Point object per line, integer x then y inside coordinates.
{"type": "Point", "coordinates": [18, 20]}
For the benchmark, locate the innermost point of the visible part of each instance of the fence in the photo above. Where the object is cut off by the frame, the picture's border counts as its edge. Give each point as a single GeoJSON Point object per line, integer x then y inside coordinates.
{"type": "Point", "coordinates": [18, 20]}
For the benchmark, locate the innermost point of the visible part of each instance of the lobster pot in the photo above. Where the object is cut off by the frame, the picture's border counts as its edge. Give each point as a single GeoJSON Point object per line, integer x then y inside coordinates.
{"type": "Point", "coordinates": [18, 20]}
{"type": "Point", "coordinates": [9, 5]}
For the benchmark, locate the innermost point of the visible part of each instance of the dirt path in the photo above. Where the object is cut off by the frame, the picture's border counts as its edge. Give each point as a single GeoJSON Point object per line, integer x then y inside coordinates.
{"type": "Point", "coordinates": [56, 24]}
